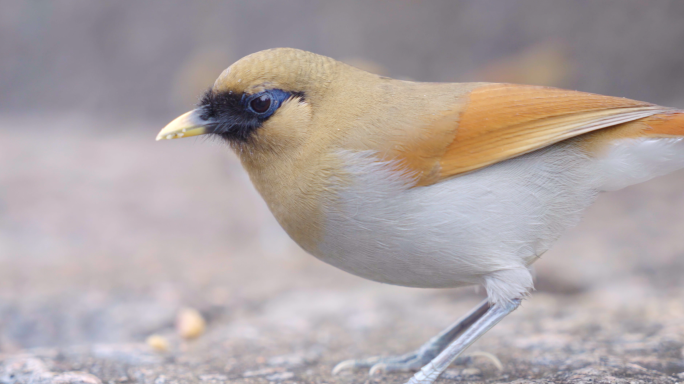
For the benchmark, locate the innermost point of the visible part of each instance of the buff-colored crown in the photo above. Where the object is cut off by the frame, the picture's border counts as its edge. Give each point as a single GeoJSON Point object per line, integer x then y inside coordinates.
{"type": "Point", "coordinates": [283, 68]}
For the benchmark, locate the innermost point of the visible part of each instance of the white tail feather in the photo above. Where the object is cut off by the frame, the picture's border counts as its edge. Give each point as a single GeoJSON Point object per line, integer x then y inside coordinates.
{"type": "Point", "coordinates": [633, 161]}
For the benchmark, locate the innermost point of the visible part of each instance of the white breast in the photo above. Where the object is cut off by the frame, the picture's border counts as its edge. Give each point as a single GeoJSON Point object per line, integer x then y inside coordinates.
{"type": "Point", "coordinates": [485, 227]}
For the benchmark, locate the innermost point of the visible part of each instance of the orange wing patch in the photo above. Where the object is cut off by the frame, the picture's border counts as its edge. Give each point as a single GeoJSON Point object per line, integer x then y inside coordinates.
{"type": "Point", "coordinates": [502, 121]}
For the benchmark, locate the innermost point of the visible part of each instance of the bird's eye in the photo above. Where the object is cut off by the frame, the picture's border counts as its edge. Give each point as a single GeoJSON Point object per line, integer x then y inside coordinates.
{"type": "Point", "coordinates": [261, 103]}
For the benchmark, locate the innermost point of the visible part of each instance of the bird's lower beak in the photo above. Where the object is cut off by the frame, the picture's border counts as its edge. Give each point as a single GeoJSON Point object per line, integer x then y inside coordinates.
{"type": "Point", "coordinates": [185, 125]}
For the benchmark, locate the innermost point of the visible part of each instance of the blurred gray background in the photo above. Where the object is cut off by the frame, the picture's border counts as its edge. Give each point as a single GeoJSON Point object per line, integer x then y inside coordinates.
{"type": "Point", "coordinates": [148, 59]}
{"type": "Point", "coordinates": [105, 234]}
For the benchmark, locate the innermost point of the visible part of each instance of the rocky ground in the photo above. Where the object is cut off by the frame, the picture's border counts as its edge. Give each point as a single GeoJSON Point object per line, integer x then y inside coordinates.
{"type": "Point", "coordinates": [105, 235]}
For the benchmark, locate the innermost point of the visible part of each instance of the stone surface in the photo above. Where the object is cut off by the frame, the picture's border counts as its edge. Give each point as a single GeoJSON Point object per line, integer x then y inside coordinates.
{"type": "Point", "coordinates": [105, 237]}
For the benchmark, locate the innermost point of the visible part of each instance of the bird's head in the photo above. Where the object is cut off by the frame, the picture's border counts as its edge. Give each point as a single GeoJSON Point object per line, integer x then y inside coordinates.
{"type": "Point", "coordinates": [265, 98]}
{"type": "Point", "coordinates": [280, 109]}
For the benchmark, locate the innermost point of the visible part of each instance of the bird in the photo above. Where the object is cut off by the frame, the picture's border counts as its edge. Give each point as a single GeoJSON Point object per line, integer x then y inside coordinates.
{"type": "Point", "coordinates": [434, 185]}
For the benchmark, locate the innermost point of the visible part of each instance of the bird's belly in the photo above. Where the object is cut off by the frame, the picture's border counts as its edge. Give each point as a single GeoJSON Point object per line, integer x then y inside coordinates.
{"type": "Point", "coordinates": [457, 231]}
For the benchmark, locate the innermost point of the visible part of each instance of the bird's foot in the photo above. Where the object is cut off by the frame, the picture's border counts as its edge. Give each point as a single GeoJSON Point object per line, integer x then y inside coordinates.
{"type": "Point", "coordinates": [409, 362]}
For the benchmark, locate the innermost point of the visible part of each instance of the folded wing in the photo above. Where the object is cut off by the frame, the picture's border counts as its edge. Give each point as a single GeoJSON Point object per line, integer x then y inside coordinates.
{"type": "Point", "coordinates": [502, 121]}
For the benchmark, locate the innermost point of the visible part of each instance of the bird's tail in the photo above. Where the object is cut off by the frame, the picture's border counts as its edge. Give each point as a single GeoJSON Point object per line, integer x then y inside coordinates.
{"type": "Point", "coordinates": [644, 149]}
{"type": "Point", "coordinates": [665, 125]}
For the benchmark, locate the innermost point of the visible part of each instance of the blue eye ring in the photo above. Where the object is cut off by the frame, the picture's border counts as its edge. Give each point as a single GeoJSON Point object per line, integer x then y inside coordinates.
{"type": "Point", "coordinates": [275, 97]}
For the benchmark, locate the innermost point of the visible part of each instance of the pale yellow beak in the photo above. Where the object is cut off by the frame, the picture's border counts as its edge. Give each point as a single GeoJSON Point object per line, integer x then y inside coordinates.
{"type": "Point", "coordinates": [185, 125]}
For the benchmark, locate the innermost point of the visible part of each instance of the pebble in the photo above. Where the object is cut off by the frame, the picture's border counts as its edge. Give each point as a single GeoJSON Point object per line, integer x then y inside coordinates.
{"type": "Point", "coordinates": [190, 323]}
{"type": "Point", "coordinates": [158, 343]}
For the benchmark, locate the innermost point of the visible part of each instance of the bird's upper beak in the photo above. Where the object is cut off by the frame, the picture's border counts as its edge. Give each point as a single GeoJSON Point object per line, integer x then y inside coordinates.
{"type": "Point", "coordinates": [185, 125]}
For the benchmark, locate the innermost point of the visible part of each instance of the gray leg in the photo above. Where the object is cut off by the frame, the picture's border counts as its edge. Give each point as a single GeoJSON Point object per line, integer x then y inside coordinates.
{"type": "Point", "coordinates": [429, 373]}
{"type": "Point", "coordinates": [426, 353]}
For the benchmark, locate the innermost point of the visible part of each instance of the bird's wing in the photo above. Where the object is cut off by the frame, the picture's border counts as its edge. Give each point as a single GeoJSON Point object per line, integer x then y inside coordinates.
{"type": "Point", "coordinates": [501, 121]}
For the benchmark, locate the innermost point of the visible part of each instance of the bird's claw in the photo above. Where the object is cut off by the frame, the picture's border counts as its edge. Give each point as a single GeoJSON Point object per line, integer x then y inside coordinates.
{"type": "Point", "coordinates": [343, 365]}
{"type": "Point", "coordinates": [411, 365]}
{"type": "Point", "coordinates": [352, 364]}
{"type": "Point", "coordinates": [377, 369]}
{"type": "Point", "coordinates": [489, 356]}
{"type": "Point", "coordinates": [411, 362]}
{"type": "Point", "coordinates": [376, 364]}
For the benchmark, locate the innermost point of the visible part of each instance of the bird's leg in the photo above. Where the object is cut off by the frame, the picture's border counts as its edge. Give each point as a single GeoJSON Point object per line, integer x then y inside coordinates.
{"type": "Point", "coordinates": [423, 355]}
{"type": "Point", "coordinates": [429, 373]}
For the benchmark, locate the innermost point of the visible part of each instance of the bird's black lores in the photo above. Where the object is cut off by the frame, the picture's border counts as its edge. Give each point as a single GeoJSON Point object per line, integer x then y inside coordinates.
{"type": "Point", "coordinates": [235, 117]}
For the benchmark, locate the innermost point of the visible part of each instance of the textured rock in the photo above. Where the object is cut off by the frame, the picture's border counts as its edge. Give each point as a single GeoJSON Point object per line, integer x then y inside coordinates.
{"type": "Point", "coordinates": [103, 247]}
